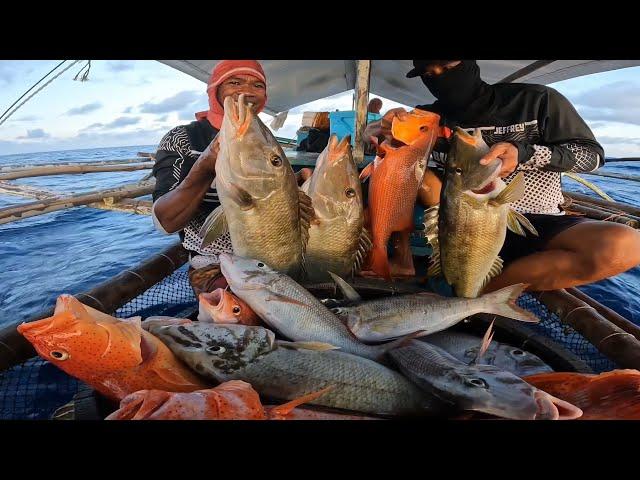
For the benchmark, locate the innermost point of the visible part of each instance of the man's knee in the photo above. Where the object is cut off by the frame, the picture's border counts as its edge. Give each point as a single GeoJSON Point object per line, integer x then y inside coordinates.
{"type": "Point", "coordinates": [617, 251]}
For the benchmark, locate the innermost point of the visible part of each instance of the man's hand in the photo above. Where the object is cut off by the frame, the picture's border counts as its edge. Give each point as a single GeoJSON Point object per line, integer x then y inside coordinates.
{"type": "Point", "coordinates": [506, 152]}
{"type": "Point", "coordinates": [208, 158]}
{"type": "Point", "coordinates": [383, 126]}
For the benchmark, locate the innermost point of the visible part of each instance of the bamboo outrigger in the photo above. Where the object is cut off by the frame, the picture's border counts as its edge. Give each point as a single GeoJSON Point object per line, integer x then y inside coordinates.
{"type": "Point", "coordinates": [614, 337]}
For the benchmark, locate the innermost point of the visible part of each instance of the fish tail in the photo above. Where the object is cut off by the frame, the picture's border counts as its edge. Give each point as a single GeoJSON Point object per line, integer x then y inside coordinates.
{"type": "Point", "coordinates": [503, 302]}
{"type": "Point", "coordinates": [379, 262]}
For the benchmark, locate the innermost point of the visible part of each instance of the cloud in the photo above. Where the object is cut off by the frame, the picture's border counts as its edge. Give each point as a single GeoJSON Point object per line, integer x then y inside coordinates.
{"type": "Point", "coordinates": [613, 102]}
{"type": "Point", "coordinates": [6, 73]}
{"type": "Point", "coordinates": [84, 109]}
{"type": "Point", "coordinates": [119, 66]}
{"type": "Point", "coordinates": [122, 122]}
{"type": "Point", "coordinates": [177, 102]}
{"type": "Point", "coordinates": [619, 140]}
{"type": "Point", "coordinates": [127, 110]}
{"type": "Point", "coordinates": [34, 134]}
{"type": "Point", "coordinates": [27, 118]}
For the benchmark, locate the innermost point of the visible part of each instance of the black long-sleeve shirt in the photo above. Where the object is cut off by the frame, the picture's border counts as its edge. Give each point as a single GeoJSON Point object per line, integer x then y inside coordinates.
{"type": "Point", "coordinates": [548, 132]}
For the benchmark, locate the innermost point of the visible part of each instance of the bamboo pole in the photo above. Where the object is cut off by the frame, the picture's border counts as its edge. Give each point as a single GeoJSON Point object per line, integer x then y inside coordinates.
{"type": "Point", "coordinates": [363, 75]}
{"type": "Point", "coordinates": [26, 166]}
{"type": "Point", "coordinates": [28, 191]}
{"type": "Point", "coordinates": [619, 205]}
{"type": "Point", "coordinates": [106, 297]}
{"type": "Point", "coordinates": [606, 312]}
{"type": "Point", "coordinates": [621, 347]}
{"type": "Point", "coordinates": [128, 205]}
{"type": "Point", "coordinates": [71, 169]}
{"type": "Point", "coordinates": [569, 202]}
{"type": "Point", "coordinates": [147, 155]}
{"type": "Point", "coordinates": [10, 214]}
{"type": "Point", "coordinates": [597, 214]}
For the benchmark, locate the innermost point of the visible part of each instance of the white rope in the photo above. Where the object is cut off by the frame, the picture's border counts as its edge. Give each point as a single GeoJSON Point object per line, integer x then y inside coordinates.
{"type": "Point", "coordinates": [38, 90]}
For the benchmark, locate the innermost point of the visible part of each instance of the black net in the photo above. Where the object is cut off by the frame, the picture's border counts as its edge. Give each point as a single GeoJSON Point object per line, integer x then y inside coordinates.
{"type": "Point", "coordinates": [35, 389]}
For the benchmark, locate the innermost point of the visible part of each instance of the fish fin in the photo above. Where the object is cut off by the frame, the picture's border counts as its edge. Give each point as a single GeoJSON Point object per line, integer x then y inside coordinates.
{"type": "Point", "coordinates": [240, 196]}
{"type": "Point", "coordinates": [364, 246]}
{"type": "Point", "coordinates": [306, 214]}
{"type": "Point", "coordinates": [494, 271]}
{"type": "Point", "coordinates": [286, 408]}
{"type": "Point", "coordinates": [514, 225]}
{"type": "Point", "coordinates": [503, 302]}
{"type": "Point", "coordinates": [401, 342]}
{"type": "Point", "coordinates": [430, 222]}
{"type": "Point", "coordinates": [213, 227]}
{"type": "Point", "coordinates": [380, 262]}
{"type": "Point", "coordinates": [276, 297]}
{"type": "Point", "coordinates": [511, 193]}
{"type": "Point", "coordinates": [315, 346]}
{"type": "Point", "coordinates": [435, 269]}
{"type": "Point", "coordinates": [516, 217]}
{"type": "Point", "coordinates": [484, 345]}
{"type": "Point", "coordinates": [366, 172]}
{"type": "Point", "coordinates": [347, 290]}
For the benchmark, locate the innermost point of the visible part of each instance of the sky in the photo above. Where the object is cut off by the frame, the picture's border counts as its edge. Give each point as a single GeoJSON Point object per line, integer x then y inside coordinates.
{"type": "Point", "coordinates": [127, 103]}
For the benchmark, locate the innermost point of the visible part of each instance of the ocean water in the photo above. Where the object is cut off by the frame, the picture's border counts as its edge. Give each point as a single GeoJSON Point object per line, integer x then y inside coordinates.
{"type": "Point", "coordinates": [71, 251]}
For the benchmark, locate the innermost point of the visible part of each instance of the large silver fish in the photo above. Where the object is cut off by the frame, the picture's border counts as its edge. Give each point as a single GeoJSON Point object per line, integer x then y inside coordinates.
{"type": "Point", "coordinates": [427, 313]}
{"type": "Point", "coordinates": [468, 229]}
{"type": "Point", "coordinates": [263, 210]}
{"type": "Point", "coordinates": [482, 388]}
{"type": "Point", "coordinates": [289, 308]}
{"type": "Point", "coordinates": [465, 347]}
{"type": "Point", "coordinates": [338, 241]}
{"type": "Point", "coordinates": [286, 370]}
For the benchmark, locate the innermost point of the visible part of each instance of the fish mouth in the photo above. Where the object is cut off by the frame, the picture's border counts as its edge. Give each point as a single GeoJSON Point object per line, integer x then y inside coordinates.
{"type": "Point", "coordinates": [213, 299]}
{"type": "Point", "coordinates": [553, 408]}
{"type": "Point", "coordinates": [489, 185]}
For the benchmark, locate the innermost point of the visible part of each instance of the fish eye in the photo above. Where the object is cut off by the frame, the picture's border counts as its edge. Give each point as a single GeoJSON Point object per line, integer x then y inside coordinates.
{"type": "Point", "coordinates": [59, 354]}
{"type": "Point", "coordinates": [276, 161]}
{"type": "Point", "coordinates": [459, 171]}
{"type": "Point", "coordinates": [216, 349]}
{"type": "Point", "coordinates": [477, 382]}
{"type": "Point", "coordinates": [260, 265]}
{"type": "Point", "coordinates": [517, 352]}
{"type": "Point", "coordinates": [350, 192]}
{"type": "Point", "coordinates": [236, 310]}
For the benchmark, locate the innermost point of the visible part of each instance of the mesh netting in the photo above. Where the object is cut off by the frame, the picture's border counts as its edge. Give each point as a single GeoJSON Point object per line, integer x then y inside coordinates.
{"type": "Point", "coordinates": [36, 388]}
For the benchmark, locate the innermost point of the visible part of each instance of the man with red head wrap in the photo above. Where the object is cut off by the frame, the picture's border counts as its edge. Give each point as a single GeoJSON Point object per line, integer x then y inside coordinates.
{"type": "Point", "coordinates": [185, 168]}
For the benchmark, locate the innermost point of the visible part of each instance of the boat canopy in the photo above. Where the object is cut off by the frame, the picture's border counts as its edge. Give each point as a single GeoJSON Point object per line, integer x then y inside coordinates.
{"type": "Point", "coordinates": [295, 82]}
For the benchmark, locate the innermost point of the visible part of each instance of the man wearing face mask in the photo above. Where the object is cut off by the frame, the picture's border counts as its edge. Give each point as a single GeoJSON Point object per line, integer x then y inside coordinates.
{"type": "Point", "coordinates": [535, 130]}
{"type": "Point", "coordinates": [185, 169]}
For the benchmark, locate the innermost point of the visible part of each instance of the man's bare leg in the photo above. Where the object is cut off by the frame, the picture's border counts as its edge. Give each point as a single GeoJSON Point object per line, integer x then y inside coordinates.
{"type": "Point", "coordinates": [584, 253]}
{"type": "Point", "coordinates": [401, 263]}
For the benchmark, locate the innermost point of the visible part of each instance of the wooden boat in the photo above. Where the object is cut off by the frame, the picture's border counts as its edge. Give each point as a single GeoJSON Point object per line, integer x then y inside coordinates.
{"type": "Point", "coordinates": [575, 332]}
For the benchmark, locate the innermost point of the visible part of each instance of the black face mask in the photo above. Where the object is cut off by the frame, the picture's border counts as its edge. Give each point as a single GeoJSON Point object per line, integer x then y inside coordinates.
{"type": "Point", "coordinates": [456, 88]}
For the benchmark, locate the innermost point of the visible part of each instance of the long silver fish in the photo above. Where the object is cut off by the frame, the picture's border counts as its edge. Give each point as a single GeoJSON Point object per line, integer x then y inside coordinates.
{"type": "Point", "coordinates": [338, 241]}
{"type": "Point", "coordinates": [263, 210]}
{"type": "Point", "coordinates": [482, 388]}
{"type": "Point", "coordinates": [286, 370]}
{"type": "Point", "coordinates": [468, 229]}
{"type": "Point", "coordinates": [396, 316]}
{"type": "Point", "coordinates": [289, 308]}
{"type": "Point", "coordinates": [465, 347]}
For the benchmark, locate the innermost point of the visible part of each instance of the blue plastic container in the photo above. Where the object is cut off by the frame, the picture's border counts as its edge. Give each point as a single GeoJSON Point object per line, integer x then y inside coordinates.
{"type": "Point", "coordinates": [344, 123]}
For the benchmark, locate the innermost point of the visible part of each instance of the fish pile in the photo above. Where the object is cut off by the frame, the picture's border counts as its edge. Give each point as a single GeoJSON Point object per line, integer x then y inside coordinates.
{"type": "Point", "coordinates": [267, 338]}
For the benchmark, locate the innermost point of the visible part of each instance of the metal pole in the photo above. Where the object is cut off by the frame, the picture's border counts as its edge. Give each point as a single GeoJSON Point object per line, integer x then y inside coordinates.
{"type": "Point", "coordinates": [363, 76]}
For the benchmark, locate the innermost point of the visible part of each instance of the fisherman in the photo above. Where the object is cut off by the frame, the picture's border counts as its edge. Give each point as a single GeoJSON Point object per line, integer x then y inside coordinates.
{"type": "Point", "coordinates": [185, 169]}
{"type": "Point", "coordinates": [533, 129]}
{"type": "Point", "coordinates": [375, 105]}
